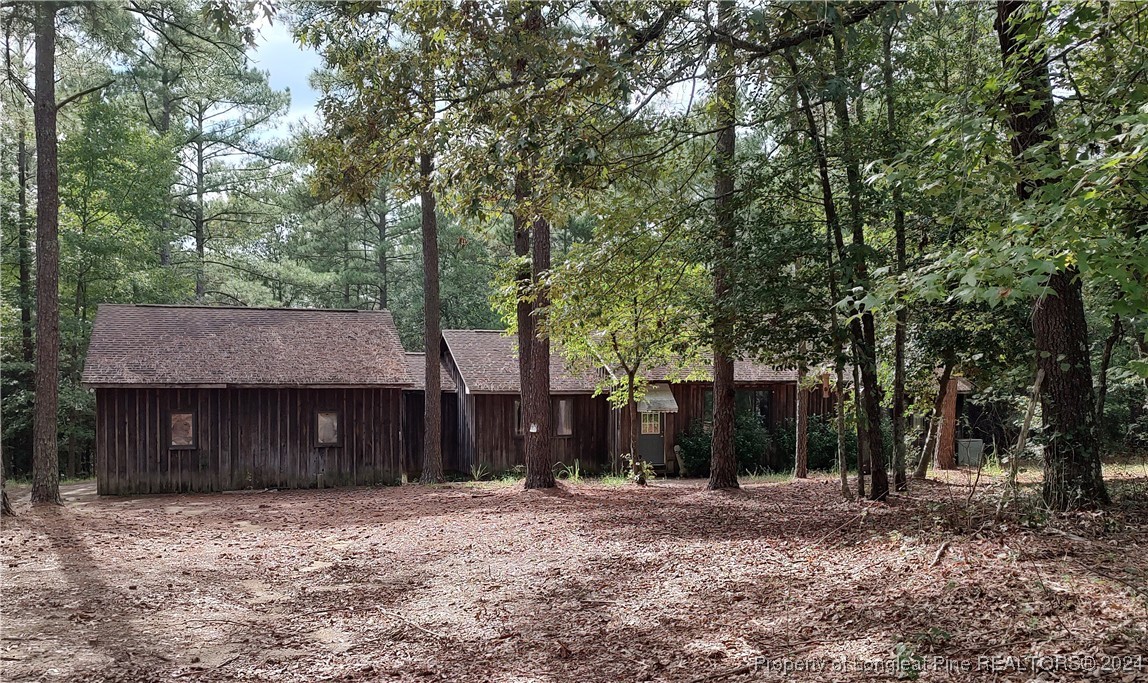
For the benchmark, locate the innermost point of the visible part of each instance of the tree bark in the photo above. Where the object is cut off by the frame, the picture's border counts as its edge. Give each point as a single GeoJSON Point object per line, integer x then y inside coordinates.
{"type": "Point", "coordinates": [639, 472]}
{"type": "Point", "coordinates": [842, 463]}
{"type": "Point", "coordinates": [1102, 380]}
{"type": "Point", "coordinates": [864, 465]}
{"type": "Point", "coordinates": [801, 457]}
{"type": "Point", "coordinates": [381, 250]}
{"type": "Point", "coordinates": [200, 227]}
{"type": "Point", "coordinates": [934, 423]}
{"type": "Point", "coordinates": [723, 462]}
{"type": "Point", "coordinates": [1072, 472]}
{"type": "Point", "coordinates": [946, 457]}
{"type": "Point", "coordinates": [24, 288]}
{"type": "Point", "coordinates": [863, 328]}
{"type": "Point", "coordinates": [46, 457]}
{"type": "Point", "coordinates": [899, 479]}
{"type": "Point", "coordinates": [539, 459]}
{"type": "Point", "coordinates": [432, 328]}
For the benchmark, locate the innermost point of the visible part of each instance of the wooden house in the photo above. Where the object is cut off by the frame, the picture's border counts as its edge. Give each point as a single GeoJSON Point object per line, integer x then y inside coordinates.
{"type": "Point", "coordinates": [484, 367]}
{"type": "Point", "coordinates": [194, 398]}
{"type": "Point", "coordinates": [673, 405]}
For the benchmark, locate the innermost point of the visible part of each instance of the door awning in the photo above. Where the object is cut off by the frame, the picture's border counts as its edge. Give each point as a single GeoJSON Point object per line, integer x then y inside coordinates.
{"type": "Point", "coordinates": [658, 399]}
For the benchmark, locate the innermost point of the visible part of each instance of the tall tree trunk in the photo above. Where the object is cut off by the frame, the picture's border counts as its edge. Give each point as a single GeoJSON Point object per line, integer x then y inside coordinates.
{"type": "Point", "coordinates": [639, 472]}
{"type": "Point", "coordinates": [946, 456]}
{"type": "Point", "coordinates": [539, 459]}
{"type": "Point", "coordinates": [200, 227]}
{"type": "Point", "coordinates": [46, 457]}
{"type": "Point", "coordinates": [723, 462]}
{"type": "Point", "coordinates": [842, 461]}
{"type": "Point", "coordinates": [432, 328]}
{"type": "Point", "coordinates": [934, 423]}
{"type": "Point", "coordinates": [863, 328]}
{"type": "Point", "coordinates": [24, 288]}
{"type": "Point", "coordinates": [1072, 473]}
{"type": "Point", "coordinates": [523, 310]}
{"type": "Point", "coordinates": [864, 464]}
{"type": "Point", "coordinates": [1102, 379]}
{"type": "Point", "coordinates": [899, 479]}
{"type": "Point", "coordinates": [801, 457]}
{"type": "Point", "coordinates": [381, 251]}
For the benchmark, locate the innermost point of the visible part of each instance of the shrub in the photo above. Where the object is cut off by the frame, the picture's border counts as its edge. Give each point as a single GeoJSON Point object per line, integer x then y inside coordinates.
{"type": "Point", "coordinates": [751, 442]}
{"type": "Point", "coordinates": [821, 440]}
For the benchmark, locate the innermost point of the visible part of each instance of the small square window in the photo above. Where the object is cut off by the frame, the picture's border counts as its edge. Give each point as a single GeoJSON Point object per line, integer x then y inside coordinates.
{"type": "Point", "coordinates": [518, 417]}
{"type": "Point", "coordinates": [651, 423]}
{"type": "Point", "coordinates": [564, 417]}
{"type": "Point", "coordinates": [327, 428]}
{"type": "Point", "coordinates": [181, 434]}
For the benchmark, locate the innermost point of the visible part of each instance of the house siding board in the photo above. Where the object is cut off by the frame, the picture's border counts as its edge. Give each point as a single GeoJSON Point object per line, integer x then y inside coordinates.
{"type": "Point", "coordinates": [413, 437]}
{"type": "Point", "coordinates": [245, 437]}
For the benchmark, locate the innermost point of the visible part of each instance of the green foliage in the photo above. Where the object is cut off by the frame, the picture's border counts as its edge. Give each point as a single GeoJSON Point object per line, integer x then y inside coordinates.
{"type": "Point", "coordinates": [570, 472]}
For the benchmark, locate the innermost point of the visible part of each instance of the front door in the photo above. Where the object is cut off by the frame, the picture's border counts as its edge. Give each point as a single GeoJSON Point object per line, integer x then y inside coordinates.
{"type": "Point", "coordinates": [651, 439]}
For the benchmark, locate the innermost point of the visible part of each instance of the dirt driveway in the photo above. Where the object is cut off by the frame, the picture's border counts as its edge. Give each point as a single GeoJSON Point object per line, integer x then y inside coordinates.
{"type": "Point", "coordinates": [588, 583]}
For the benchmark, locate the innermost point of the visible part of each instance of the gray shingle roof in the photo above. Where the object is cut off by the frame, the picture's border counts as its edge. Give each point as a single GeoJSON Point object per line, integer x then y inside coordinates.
{"type": "Point", "coordinates": [488, 362]}
{"type": "Point", "coordinates": [180, 345]}
{"type": "Point", "coordinates": [744, 371]}
{"type": "Point", "coordinates": [416, 367]}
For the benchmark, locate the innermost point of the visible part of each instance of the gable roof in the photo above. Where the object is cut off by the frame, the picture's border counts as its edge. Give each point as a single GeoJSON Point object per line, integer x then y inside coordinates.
{"type": "Point", "coordinates": [488, 363]}
{"type": "Point", "coordinates": [182, 345]}
{"type": "Point", "coordinates": [417, 369]}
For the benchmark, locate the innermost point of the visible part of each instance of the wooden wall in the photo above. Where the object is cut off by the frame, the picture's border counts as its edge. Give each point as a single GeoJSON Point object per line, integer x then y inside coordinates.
{"type": "Point", "coordinates": [413, 433]}
{"type": "Point", "coordinates": [691, 400]}
{"type": "Point", "coordinates": [488, 436]}
{"type": "Point", "coordinates": [246, 438]}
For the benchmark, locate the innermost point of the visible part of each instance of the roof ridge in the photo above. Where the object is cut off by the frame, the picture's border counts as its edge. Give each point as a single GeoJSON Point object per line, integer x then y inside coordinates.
{"type": "Point", "coordinates": [296, 309]}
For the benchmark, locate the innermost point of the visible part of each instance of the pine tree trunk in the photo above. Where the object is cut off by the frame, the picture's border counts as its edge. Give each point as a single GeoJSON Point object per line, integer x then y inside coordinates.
{"type": "Point", "coordinates": [1102, 373]}
{"type": "Point", "coordinates": [801, 457]}
{"type": "Point", "coordinates": [863, 330]}
{"type": "Point", "coordinates": [381, 251]}
{"type": "Point", "coordinates": [842, 461]}
{"type": "Point", "coordinates": [1072, 473]}
{"type": "Point", "coordinates": [863, 463]}
{"type": "Point", "coordinates": [639, 472]}
{"type": "Point", "coordinates": [24, 288]}
{"type": "Point", "coordinates": [934, 423]}
{"type": "Point", "coordinates": [5, 504]}
{"type": "Point", "coordinates": [723, 461]}
{"type": "Point", "coordinates": [46, 457]}
{"type": "Point", "coordinates": [899, 479]}
{"type": "Point", "coordinates": [536, 407]}
{"type": "Point", "coordinates": [946, 456]}
{"type": "Point", "coordinates": [432, 332]}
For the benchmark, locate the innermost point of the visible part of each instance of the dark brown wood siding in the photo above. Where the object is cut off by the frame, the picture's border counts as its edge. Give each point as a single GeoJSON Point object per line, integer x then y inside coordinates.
{"type": "Point", "coordinates": [245, 438]}
{"type": "Point", "coordinates": [413, 432]}
{"type": "Point", "coordinates": [489, 438]}
{"type": "Point", "coordinates": [691, 400]}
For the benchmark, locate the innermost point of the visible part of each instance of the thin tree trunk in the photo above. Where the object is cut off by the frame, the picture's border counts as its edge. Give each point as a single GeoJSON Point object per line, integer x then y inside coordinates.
{"type": "Point", "coordinates": [46, 457]}
{"type": "Point", "coordinates": [801, 457]}
{"type": "Point", "coordinates": [639, 472]}
{"type": "Point", "coordinates": [381, 251]}
{"type": "Point", "coordinates": [1102, 380]}
{"type": "Point", "coordinates": [200, 227]}
{"type": "Point", "coordinates": [934, 423]}
{"type": "Point", "coordinates": [946, 456]}
{"type": "Point", "coordinates": [863, 462]}
{"type": "Point", "coordinates": [525, 320]}
{"type": "Point", "coordinates": [24, 289]}
{"type": "Point", "coordinates": [723, 462]}
{"type": "Point", "coordinates": [842, 461]}
{"type": "Point", "coordinates": [899, 479]}
{"type": "Point", "coordinates": [864, 328]}
{"type": "Point", "coordinates": [1072, 473]}
{"type": "Point", "coordinates": [432, 332]}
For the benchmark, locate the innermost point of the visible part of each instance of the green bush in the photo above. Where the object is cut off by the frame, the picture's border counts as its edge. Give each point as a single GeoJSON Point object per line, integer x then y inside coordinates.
{"type": "Point", "coordinates": [695, 446]}
{"type": "Point", "coordinates": [751, 443]}
{"type": "Point", "coordinates": [821, 442]}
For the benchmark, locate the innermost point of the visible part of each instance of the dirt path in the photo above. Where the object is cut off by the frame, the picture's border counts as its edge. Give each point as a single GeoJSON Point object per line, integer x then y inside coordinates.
{"type": "Point", "coordinates": [588, 583]}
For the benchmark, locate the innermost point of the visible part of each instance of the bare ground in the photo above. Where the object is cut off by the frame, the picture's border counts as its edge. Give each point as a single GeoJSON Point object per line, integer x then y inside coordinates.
{"type": "Point", "coordinates": [587, 583]}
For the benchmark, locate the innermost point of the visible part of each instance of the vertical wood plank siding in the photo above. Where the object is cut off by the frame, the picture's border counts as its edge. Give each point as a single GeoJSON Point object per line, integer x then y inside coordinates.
{"type": "Point", "coordinates": [245, 438]}
{"type": "Point", "coordinates": [413, 432]}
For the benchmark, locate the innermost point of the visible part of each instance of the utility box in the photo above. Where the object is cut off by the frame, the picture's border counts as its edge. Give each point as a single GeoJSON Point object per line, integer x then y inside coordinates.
{"type": "Point", "coordinates": [969, 452]}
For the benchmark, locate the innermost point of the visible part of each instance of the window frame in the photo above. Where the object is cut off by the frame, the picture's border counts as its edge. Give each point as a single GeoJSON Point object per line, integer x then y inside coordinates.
{"type": "Point", "coordinates": [558, 403]}
{"type": "Point", "coordinates": [338, 442]}
{"type": "Point", "coordinates": [194, 445]}
{"type": "Point", "coordinates": [642, 424]}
